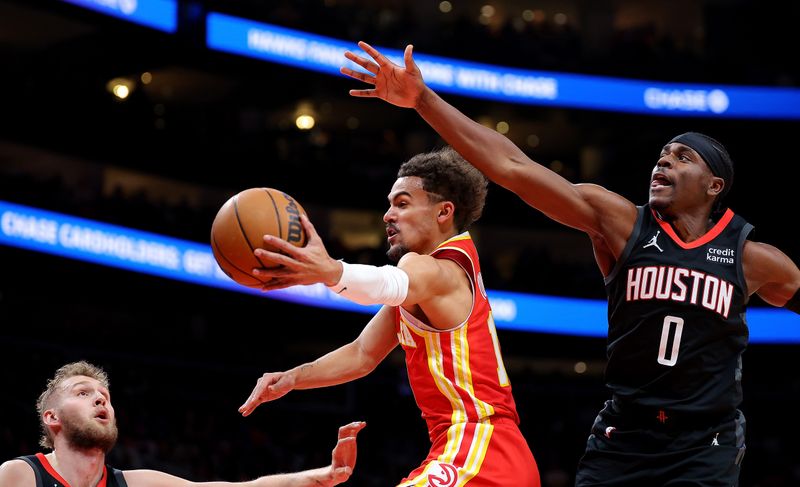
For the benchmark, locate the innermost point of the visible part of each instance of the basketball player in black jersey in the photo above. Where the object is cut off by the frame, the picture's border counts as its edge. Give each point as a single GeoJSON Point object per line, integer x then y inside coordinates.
{"type": "Point", "coordinates": [79, 424]}
{"type": "Point", "coordinates": [678, 275]}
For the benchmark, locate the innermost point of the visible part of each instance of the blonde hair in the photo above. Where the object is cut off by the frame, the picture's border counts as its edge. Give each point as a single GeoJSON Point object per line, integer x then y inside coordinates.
{"type": "Point", "coordinates": [62, 374]}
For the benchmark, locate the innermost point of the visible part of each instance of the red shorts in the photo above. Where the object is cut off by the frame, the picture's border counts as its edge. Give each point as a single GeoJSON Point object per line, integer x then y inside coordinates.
{"type": "Point", "coordinates": [478, 455]}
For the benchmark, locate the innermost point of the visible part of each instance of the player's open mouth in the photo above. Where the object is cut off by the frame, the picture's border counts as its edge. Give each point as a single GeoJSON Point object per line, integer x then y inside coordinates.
{"type": "Point", "coordinates": [659, 181]}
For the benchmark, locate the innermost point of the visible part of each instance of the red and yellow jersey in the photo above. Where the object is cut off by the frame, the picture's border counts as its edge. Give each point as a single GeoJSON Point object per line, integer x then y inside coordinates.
{"type": "Point", "coordinates": [457, 375]}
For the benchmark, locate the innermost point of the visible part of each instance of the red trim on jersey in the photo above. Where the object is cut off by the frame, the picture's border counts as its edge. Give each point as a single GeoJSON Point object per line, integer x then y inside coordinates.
{"type": "Point", "coordinates": [709, 236]}
{"type": "Point", "coordinates": [55, 475]}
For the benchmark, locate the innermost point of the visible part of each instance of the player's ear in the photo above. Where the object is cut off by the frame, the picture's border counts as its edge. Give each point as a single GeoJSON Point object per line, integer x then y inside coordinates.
{"type": "Point", "coordinates": [716, 186]}
{"type": "Point", "coordinates": [50, 417]}
{"type": "Point", "coordinates": [446, 210]}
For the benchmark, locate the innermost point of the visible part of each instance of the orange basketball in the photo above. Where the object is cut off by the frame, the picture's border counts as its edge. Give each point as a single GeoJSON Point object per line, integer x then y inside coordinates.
{"type": "Point", "coordinates": [241, 223]}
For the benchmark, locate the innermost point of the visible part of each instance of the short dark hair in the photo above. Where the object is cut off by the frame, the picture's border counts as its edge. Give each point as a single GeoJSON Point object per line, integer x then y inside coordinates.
{"type": "Point", "coordinates": [446, 174]}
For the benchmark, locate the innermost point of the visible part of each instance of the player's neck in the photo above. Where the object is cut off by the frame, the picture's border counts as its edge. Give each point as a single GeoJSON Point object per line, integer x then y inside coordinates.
{"type": "Point", "coordinates": [80, 468]}
{"type": "Point", "coordinates": [689, 227]}
{"type": "Point", "coordinates": [443, 237]}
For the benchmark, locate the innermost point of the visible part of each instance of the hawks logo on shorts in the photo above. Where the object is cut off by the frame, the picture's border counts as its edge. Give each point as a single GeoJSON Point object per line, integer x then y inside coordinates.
{"type": "Point", "coordinates": [442, 475]}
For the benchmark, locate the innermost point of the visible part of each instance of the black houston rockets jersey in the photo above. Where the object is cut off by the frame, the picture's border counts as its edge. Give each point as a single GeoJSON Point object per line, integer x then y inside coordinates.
{"type": "Point", "coordinates": [46, 475]}
{"type": "Point", "coordinates": [676, 314]}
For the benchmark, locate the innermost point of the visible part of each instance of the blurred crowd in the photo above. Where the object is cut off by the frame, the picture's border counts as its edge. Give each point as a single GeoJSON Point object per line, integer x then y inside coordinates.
{"type": "Point", "coordinates": [676, 41]}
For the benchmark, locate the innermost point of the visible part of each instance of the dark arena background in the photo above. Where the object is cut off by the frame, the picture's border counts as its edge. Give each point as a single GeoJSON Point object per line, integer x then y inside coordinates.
{"type": "Point", "coordinates": [111, 116]}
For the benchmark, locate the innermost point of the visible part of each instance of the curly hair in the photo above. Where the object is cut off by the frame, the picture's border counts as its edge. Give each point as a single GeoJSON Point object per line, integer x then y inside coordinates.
{"type": "Point", "coordinates": [62, 374]}
{"type": "Point", "coordinates": [446, 174]}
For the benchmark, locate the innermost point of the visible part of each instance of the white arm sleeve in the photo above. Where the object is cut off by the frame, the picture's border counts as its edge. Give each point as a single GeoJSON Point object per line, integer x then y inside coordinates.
{"type": "Point", "coordinates": [368, 284]}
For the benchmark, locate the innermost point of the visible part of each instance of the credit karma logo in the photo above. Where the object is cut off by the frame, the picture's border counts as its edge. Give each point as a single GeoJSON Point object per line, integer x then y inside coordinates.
{"type": "Point", "coordinates": [715, 101]}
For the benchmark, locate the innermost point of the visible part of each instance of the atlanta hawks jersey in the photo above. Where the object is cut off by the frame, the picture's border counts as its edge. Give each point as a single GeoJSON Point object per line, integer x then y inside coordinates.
{"type": "Point", "coordinates": [461, 387]}
{"type": "Point", "coordinates": [676, 314]}
{"type": "Point", "coordinates": [46, 475]}
{"type": "Point", "coordinates": [457, 374]}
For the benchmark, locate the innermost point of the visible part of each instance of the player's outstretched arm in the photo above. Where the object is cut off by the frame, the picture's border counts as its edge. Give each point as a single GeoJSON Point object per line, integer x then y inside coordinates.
{"type": "Point", "coordinates": [341, 468]}
{"type": "Point", "coordinates": [352, 361]}
{"type": "Point", "coordinates": [772, 275]}
{"type": "Point", "coordinates": [585, 207]}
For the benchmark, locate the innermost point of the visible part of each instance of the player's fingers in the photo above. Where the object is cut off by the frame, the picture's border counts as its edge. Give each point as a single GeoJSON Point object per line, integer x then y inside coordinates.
{"type": "Point", "coordinates": [311, 232]}
{"type": "Point", "coordinates": [375, 54]}
{"type": "Point", "coordinates": [351, 430]}
{"type": "Point", "coordinates": [267, 257]}
{"type": "Point", "coordinates": [265, 273]}
{"type": "Point", "coordinates": [256, 396]}
{"type": "Point", "coordinates": [275, 284]}
{"type": "Point", "coordinates": [364, 93]}
{"type": "Point", "coordinates": [363, 62]}
{"type": "Point", "coordinates": [284, 266]}
{"type": "Point", "coordinates": [341, 474]}
{"type": "Point", "coordinates": [278, 245]}
{"type": "Point", "coordinates": [408, 57]}
{"type": "Point", "coordinates": [357, 75]}
{"type": "Point", "coordinates": [251, 402]}
{"type": "Point", "coordinates": [345, 452]}
{"type": "Point", "coordinates": [247, 408]}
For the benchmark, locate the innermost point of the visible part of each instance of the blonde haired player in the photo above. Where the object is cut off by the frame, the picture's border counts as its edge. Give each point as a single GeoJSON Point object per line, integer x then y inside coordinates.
{"type": "Point", "coordinates": [79, 424]}
{"type": "Point", "coordinates": [436, 308]}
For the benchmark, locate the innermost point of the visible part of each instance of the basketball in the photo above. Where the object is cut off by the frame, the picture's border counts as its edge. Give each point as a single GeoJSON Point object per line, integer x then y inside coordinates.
{"type": "Point", "coordinates": [241, 223]}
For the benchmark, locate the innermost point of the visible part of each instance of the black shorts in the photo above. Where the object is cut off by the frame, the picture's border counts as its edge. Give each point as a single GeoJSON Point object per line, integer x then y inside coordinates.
{"type": "Point", "coordinates": [657, 450]}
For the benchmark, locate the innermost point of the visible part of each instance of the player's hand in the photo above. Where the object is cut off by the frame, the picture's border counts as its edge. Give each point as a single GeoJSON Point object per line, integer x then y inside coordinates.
{"type": "Point", "coordinates": [270, 386]}
{"type": "Point", "coordinates": [400, 86]}
{"type": "Point", "coordinates": [344, 454]}
{"type": "Point", "coordinates": [342, 463]}
{"type": "Point", "coordinates": [298, 265]}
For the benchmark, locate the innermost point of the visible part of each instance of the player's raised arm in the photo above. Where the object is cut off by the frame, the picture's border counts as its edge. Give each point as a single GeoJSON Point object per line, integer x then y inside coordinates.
{"type": "Point", "coordinates": [585, 207]}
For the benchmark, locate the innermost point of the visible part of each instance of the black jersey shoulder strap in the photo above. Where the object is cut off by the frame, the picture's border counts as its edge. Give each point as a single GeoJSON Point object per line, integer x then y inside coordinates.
{"type": "Point", "coordinates": [117, 475]}
{"type": "Point", "coordinates": [746, 230]}
{"type": "Point", "coordinates": [35, 465]}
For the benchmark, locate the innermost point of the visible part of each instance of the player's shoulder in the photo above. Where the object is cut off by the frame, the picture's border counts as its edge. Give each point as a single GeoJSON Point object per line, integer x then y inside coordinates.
{"type": "Point", "coordinates": [18, 473]}
{"type": "Point", "coordinates": [764, 260]}
{"type": "Point", "coordinates": [760, 251]}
